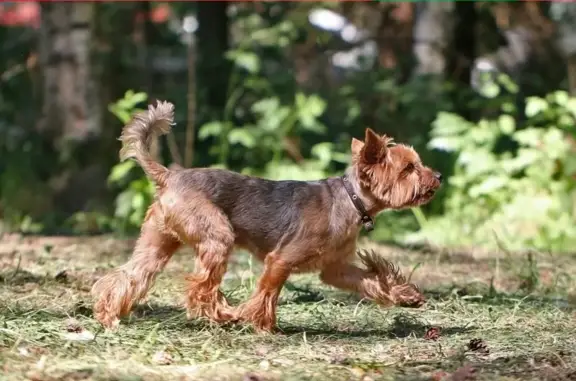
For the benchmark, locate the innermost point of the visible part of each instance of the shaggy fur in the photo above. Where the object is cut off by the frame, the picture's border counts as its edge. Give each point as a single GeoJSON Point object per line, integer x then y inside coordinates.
{"type": "Point", "coordinates": [291, 226]}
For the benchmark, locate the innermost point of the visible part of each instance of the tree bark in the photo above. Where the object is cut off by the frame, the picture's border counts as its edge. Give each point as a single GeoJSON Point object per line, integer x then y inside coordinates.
{"type": "Point", "coordinates": [432, 32]}
{"type": "Point", "coordinates": [565, 16]}
{"type": "Point", "coordinates": [70, 105]}
{"type": "Point", "coordinates": [464, 42]}
{"type": "Point", "coordinates": [213, 42]}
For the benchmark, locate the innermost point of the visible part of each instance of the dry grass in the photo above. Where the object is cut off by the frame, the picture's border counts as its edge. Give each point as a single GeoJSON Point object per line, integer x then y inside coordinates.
{"type": "Point", "coordinates": [519, 308]}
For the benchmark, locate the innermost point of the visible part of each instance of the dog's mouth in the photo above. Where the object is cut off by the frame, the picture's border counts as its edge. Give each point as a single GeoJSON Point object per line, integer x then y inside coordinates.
{"type": "Point", "coordinates": [429, 194]}
{"type": "Point", "coordinates": [426, 196]}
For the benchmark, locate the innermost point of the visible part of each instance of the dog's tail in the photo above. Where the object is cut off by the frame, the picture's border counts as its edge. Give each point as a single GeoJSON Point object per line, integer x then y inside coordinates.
{"type": "Point", "coordinates": [139, 133]}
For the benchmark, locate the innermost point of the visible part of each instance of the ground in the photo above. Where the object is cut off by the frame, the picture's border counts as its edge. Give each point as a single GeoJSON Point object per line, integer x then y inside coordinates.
{"type": "Point", "coordinates": [490, 316]}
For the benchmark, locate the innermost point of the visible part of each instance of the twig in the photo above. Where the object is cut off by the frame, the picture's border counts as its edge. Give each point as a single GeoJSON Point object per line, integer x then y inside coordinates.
{"type": "Point", "coordinates": [190, 126]}
{"type": "Point", "coordinates": [173, 149]}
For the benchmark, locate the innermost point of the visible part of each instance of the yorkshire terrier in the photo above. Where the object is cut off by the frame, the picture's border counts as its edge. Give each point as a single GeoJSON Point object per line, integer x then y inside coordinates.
{"type": "Point", "coordinates": [291, 226]}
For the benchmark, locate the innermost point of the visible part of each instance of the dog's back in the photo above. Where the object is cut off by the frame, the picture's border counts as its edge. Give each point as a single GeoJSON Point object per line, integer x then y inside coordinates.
{"type": "Point", "coordinates": [262, 212]}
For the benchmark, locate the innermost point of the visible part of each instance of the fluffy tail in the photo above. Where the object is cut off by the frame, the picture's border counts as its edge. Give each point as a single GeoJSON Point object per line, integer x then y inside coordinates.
{"type": "Point", "coordinates": [139, 133]}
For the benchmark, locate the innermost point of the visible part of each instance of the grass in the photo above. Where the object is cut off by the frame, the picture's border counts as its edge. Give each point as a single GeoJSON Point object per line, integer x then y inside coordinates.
{"type": "Point", "coordinates": [519, 306]}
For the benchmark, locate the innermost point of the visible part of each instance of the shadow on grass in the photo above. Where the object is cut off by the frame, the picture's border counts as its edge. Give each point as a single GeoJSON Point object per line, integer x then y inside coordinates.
{"type": "Point", "coordinates": [75, 281]}
{"type": "Point", "coordinates": [174, 318]}
{"type": "Point", "coordinates": [470, 293]}
{"type": "Point", "coordinates": [311, 295]}
{"type": "Point", "coordinates": [22, 315]}
{"type": "Point", "coordinates": [18, 277]}
{"type": "Point", "coordinates": [158, 312]}
{"type": "Point", "coordinates": [541, 365]}
{"type": "Point", "coordinates": [478, 293]}
{"type": "Point", "coordinates": [402, 326]}
{"type": "Point", "coordinates": [535, 366]}
{"type": "Point", "coordinates": [493, 298]}
{"type": "Point", "coordinates": [15, 312]}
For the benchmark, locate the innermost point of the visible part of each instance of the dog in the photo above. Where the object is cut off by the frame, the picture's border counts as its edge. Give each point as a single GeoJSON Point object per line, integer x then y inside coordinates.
{"type": "Point", "coordinates": [291, 226]}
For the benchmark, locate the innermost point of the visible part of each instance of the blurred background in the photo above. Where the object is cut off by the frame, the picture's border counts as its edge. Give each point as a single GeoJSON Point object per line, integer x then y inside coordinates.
{"type": "Point", "coordinates": [482, 90]}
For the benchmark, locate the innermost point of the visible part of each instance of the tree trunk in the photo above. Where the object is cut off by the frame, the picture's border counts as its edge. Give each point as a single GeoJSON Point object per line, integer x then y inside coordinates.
{"type": "Point", "coordinates": [432, 36]}
{"type": "Point", "coordinates": [464, 47]}
{"type": "Point", "coordinates": [394, 36]}
{"type": "Point", "coordinates": [70, 106]}
{"type": "Point", "coordinates": [565, 17]}
{"type": "Point", "coordinates": [213, 41]}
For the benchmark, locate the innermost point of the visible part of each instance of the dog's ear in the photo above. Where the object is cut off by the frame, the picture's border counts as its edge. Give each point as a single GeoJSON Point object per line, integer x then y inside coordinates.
{"type": "Point", "coordinates": [356, 147]}
{"type": "Point", "coordinates": [374, 149]}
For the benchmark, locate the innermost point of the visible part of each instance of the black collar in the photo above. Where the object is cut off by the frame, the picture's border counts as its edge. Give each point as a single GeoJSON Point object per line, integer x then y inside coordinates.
{"type": "Point", "coordinates": [366, 220]}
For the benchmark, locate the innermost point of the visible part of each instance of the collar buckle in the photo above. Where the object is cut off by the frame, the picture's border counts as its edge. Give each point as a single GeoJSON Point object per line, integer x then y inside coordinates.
{"type": "Point", "coordinates": [365, 218]}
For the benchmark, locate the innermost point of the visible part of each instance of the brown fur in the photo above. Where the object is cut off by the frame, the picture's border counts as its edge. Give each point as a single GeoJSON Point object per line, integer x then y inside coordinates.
{"type": "Point", "coordinates": [292, 226]}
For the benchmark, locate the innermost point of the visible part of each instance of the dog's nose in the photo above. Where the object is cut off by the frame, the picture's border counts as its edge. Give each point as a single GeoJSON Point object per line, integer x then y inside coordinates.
{"type": "Point", "coordinates": [438, 176]}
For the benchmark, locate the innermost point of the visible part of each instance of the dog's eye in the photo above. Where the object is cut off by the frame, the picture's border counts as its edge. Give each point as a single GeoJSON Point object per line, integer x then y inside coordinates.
{"type": "Point", "coordinates": [409, 168]}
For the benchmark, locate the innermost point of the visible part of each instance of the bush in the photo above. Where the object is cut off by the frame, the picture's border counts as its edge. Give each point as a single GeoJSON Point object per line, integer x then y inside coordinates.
{"type": "Point", "coordinates": [513, 182]}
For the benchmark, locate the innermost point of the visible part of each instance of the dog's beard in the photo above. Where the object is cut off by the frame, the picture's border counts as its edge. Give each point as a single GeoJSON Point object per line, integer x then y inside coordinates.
{"type": "Point", "coordinates": [418, 197]}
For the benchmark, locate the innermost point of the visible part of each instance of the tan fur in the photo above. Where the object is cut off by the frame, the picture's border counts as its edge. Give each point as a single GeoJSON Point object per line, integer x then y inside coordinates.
{"type": "Point", "coordinates": [139, 134]}
{"type": "Point", "coordinates": [291, 226]}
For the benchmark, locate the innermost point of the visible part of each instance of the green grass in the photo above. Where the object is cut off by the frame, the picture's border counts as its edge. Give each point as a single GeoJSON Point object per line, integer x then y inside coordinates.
{"type": "Point", "coordinates": [520, 308]}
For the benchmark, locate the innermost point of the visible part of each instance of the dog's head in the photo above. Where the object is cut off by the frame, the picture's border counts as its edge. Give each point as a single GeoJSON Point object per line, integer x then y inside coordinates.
{"type": "Point", "coordinates": [393, 173]}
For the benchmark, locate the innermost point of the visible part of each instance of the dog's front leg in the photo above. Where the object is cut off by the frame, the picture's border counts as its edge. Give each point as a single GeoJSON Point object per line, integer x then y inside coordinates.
{"type": "Point", "coordinates": [380, 282]}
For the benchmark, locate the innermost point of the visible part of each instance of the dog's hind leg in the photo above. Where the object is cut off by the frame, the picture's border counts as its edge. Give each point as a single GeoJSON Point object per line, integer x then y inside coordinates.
{"type": "Point", "coordinates": [118, 291]}
{"type": "Point", "coordinates": [210, 233]}
{"type": "Point", "coordinates": [260, 309]}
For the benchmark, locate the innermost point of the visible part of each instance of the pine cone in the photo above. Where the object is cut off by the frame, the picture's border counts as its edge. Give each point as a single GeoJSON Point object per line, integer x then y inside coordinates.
{"type": "Point", "coordinates": [432, 333]}
{"type": "Point", "coordinates": [478, 345]}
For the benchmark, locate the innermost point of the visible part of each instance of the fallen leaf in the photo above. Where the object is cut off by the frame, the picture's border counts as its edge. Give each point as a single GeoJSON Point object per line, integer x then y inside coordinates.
{"type": "Point", "coordinates": [433, 333]}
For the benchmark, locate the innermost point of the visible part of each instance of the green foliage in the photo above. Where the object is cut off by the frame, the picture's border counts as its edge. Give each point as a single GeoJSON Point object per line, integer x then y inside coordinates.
{"type": "Point", "coordinates": [125, 107]}
{"type": "Point", "coordinates": [264, 113]}
{"type": "Point", "coordinates": [513, 184]}
{"type": "Point", "coordinates": [509, 178]}
{"type": "Point", "coordinates": [271, 127]}
{"type": "Point", "coordinates": [137, 191]}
